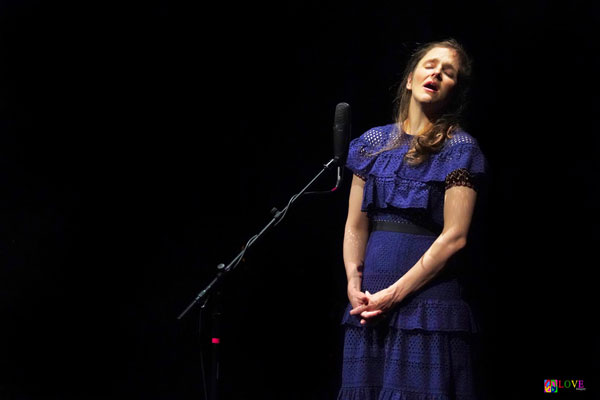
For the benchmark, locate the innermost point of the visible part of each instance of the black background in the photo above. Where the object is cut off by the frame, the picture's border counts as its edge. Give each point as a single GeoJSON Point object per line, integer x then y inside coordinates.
{"type": "Point", "coordinates": [144, 143]}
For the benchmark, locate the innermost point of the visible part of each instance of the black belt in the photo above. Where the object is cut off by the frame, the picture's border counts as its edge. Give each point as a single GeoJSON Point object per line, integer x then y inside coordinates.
{"type": "Point", "coordinates": [403, 227]}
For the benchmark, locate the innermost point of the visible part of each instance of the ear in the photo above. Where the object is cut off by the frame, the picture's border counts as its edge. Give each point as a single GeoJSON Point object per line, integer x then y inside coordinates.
{"type": "Point", "coordinates": [409, 82]}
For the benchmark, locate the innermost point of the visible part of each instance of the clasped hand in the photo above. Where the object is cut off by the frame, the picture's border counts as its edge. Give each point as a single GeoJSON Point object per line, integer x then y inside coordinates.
{"type": "Point", "coordinates": [371, 306]}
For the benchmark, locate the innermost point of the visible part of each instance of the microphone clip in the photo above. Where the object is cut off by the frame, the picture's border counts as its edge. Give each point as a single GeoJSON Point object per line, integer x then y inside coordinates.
{"type": "Point", "coordinates": [339, 176]}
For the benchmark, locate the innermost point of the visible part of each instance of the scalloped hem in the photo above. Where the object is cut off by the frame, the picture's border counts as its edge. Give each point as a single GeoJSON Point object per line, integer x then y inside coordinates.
{"type": "Point", "coordinates": [374, 393]}
{"type": "Point", "coordinates": [359, 393]}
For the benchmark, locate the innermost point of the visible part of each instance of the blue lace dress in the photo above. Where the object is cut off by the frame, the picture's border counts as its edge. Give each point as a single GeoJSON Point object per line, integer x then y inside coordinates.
{"type": "Point", "coordinates": [421, 350]}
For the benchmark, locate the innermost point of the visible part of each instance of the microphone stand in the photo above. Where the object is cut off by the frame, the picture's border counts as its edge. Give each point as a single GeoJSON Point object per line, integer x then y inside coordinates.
{"type": "Point", "coordinates": [223, 270]}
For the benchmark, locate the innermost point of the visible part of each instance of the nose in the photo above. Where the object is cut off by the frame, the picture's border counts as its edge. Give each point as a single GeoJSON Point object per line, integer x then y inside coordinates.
{"type": "Point", "coordinates": [437, 73]}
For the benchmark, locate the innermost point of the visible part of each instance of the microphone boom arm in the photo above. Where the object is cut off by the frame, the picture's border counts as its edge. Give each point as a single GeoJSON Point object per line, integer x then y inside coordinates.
{"type": "Point", "coordinates": [278, 216]}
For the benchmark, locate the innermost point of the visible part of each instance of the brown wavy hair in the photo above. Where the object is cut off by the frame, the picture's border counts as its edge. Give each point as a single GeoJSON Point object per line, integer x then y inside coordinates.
{"type": "Point", "coordinates": [432, 140]}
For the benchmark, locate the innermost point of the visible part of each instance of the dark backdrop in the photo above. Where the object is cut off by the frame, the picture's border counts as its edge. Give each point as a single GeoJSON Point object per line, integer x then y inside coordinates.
{"type": "Point", "coordinates": [143, 144]}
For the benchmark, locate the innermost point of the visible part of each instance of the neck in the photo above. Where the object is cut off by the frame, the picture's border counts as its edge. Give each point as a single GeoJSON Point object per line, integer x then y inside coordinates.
{"type": "Point", "coordinates": [419, 120]}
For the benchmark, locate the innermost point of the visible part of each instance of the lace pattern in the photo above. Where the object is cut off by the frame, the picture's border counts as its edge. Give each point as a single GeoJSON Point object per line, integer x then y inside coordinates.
{"type": "Point", "coordinates": [398, 364]}
{"type": "Point", "coordinates": [420, 350]}
{"type": "Point", "coordinates": [460, 177]}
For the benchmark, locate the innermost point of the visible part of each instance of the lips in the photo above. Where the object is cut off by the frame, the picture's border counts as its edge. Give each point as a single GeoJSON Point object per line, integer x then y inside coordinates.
{"type": "Point", "coordinates": [431, 86]}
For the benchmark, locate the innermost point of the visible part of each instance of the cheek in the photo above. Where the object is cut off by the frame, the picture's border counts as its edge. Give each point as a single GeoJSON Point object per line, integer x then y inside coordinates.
{"type": "Point", "coordinates": [417, 77]}
{"type": "Point", "coordinates": [420, 75]}
{"type": "Point", "coordinates": [450, 86]}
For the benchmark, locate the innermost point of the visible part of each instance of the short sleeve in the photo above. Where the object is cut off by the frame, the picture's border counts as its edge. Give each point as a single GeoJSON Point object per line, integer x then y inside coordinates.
{"type": "Point", "coordinates": [363, 150]}
{"type": "Point", "coordinates": [466, 164]}
{"type": "Point", "coordinates": [462, 152]}
{"type": "Point", "coordinates": [461, 177]}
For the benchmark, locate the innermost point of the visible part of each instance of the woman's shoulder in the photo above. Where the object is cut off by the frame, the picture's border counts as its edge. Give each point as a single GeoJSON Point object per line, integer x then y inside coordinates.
{"type": "Point", "coordinates": [378, 136]}
{"type": "Point", "coordinates": [365, 150]}
{"type": "Point", "coordinates": [460, 137]}
{"type": "Point", "coordinates": [460, 151]}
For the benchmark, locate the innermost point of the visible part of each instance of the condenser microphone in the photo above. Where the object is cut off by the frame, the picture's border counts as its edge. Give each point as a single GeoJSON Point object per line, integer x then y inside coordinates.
{"type": "Point", "coordinates": [341, 138]}
{"type": "Point", "coordinates": [341, 133]}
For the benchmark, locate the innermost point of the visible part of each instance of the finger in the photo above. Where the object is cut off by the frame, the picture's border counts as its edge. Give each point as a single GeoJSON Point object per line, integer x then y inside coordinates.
{"type": "Point", "coordinates": [371, 314]}
{"type": "Point", "coordinates": [356, 300]}
{"type": "Point", "coordinates": [359, 296]}
{"type": "Point", "coordinates": [362, 298]}
{"type": "Point", "coordinates": [358, 310]}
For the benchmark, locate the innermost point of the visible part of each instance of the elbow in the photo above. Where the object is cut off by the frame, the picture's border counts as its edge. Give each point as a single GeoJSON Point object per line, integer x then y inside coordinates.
{"type": "Point", "coordinates": [454, 241]}
{"type": "Point", "coordinates": [459, 243]}
{"type": "Point", "coordinates": [357, 225]}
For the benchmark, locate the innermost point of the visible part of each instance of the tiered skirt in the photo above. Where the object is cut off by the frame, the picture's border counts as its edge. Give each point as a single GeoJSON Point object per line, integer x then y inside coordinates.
{"type": "Point", "coordinates": [421, 350]}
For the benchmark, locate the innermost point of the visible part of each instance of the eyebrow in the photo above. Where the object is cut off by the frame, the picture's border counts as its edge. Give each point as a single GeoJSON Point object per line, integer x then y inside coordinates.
{"type": "Point", "coordinates": [438, 60]}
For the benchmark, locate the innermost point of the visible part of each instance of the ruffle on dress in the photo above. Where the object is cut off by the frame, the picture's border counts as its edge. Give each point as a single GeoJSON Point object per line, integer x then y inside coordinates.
{"type": "Point", "coordinates": [391, 182]}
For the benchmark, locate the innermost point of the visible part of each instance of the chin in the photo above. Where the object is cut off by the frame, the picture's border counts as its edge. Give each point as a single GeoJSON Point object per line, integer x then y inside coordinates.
{"type": "Point", "coordinates": [427, 100]}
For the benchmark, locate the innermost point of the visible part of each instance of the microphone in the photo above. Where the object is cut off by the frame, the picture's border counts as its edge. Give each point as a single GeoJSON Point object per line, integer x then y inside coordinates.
{"type": "Point", "coordinates": [341, 133]}
{"type": "Point", "coordinates": [341, 139]}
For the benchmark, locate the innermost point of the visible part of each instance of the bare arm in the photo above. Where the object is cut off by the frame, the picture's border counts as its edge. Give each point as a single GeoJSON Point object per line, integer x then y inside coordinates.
{"type": "Point", "coordinates": [459, 204]}
{"type": "Point", "coordinates": [356, 234]}
{"type": "Point", "coordinates": [458, 211]}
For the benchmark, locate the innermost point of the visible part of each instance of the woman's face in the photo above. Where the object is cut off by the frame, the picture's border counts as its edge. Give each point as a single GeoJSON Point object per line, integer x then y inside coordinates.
{"type": "Point", "coordinates": [434, 76]}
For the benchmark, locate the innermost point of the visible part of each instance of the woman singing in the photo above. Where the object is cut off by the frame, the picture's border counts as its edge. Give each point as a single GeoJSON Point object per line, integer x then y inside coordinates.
{"type": "Point", "coordinates": [413, 193]}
